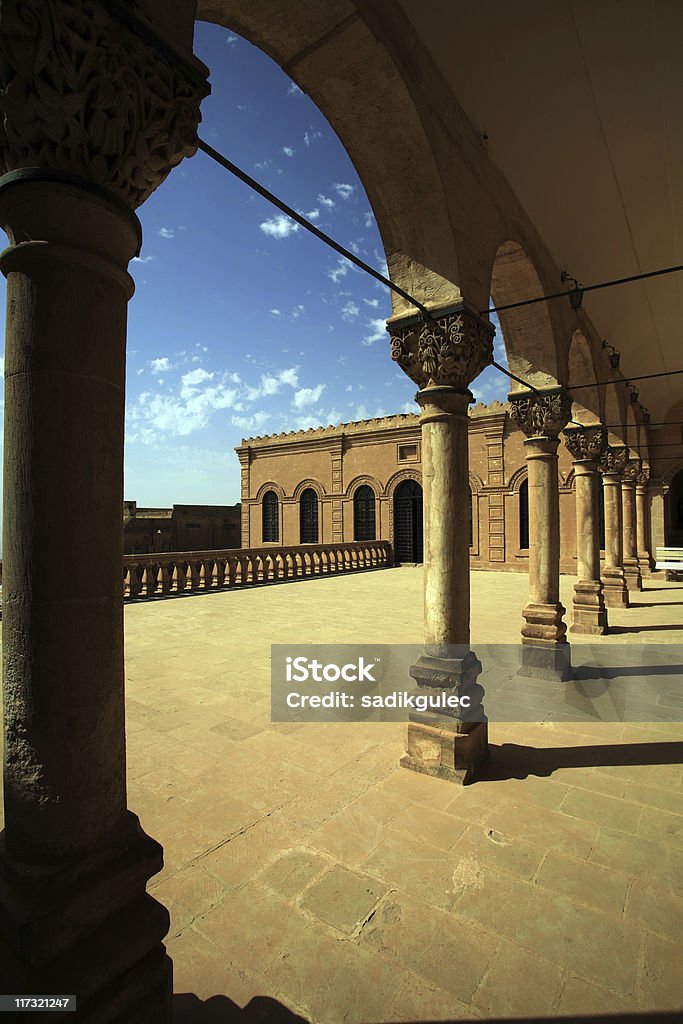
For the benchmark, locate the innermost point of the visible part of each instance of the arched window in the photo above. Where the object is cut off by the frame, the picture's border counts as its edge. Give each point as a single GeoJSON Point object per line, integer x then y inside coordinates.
{"type": "Point", "coordinates": [469, 489]}
{"type": "Point", "coordinates": [408, 537]}
{"type": "Point", "coordinates": [271, 518]}
{"type": "Point", "coordinates": [601, 515]}
{"type": "Point", "coordinates": [308, 517]}
{"type": "Point", "coordinates": [524, 516]}
{"type": "Point", "coordinates": [364, 521]}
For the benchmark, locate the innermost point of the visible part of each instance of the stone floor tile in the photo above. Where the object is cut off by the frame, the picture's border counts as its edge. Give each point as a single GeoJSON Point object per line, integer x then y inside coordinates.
{"type": "Point", "coordinates": [481, 850]}
{"type": "Point", "coordinates": [293, 871]}
{"type": "Point", "coordinates": [433, 827]}
{"type": "Point", "coordinates": [514, 819]}
{"type": "Point", "coordinates": [342, 898]}
{"type": "Point", "coordinates": [662, 827]}
{"type": "Point", "coordinates": [653, 796]}
{"type": "Point", "coordinates": [418, 1000]}
{"type": "Point", "coordinates": [408, 864]}
{"type": "Point", "coordinates": [188, 894]}
{"type": "Point", "coordinates": [236, 861]}
{"type": "Point", "coordinates": [252, 926]}
{"type": "Point", "coordinates": [201, 968]}
{"type": "Point", "coordinates": [582, 999]}
{"type": "Point", "coordinates": [518, 984]}
{"type": "Point", "coordinates": [351, 834]}
{"type": "Point", "coordinates": [604, 810]}
{"type": "Point", "coordinates": [584, 882]}
{"type": "Point", "coordinates": [660, 982]}
{"type": "Point", "coordinates": [652, 862]}
{"type": "Point", "coordinates": [657, 910]}
{"type": "Point", "coordinates": [332, 979]}
{"type": "Point", "coordinates": [571, 936]}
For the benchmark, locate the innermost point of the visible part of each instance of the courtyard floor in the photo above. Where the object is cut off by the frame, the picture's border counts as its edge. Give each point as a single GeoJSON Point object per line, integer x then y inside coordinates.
{"type": "Point", "coordinates": [307, 876]}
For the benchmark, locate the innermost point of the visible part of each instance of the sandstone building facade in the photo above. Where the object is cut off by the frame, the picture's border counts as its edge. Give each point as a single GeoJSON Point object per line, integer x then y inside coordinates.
{"type": "Point", "coordinates": [363, 481]}
{"type": "Point", "coordinates": [180, 528]}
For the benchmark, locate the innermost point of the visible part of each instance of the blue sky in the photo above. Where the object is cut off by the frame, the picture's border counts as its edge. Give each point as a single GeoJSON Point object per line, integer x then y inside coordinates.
{"type": "Point", "coordinates": [242, 322]}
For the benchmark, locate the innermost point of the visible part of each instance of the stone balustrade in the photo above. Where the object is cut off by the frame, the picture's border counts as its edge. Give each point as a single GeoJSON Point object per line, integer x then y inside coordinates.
{"type": "Point", "coordinates": [182, 572]}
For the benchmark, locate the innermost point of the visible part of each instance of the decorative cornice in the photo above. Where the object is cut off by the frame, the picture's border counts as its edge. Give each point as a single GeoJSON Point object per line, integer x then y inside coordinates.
{"type": "Point", "coordinates": [586, 443]}
{"type": "Point", "coordinates": [614, 459]}
{"type": "Point", "coordinates": [447, 351]}
{"type": "Point", "coordinates": [84, 94]}
{"type": "Point", "coordinates": [541, 413]}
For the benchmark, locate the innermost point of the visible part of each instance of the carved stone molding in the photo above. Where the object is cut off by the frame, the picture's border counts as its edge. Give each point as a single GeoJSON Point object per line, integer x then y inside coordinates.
{"type": "Point", "coordinates": [614, 459]}
{"type": "Point", "coordinates": [586, 443]}
{"type": "Point", "coordinates": [448, 351]}
{"type": "Point", "coordinates": [82, 94]}
{"type": "Point", "coordinates": [643, 477]}
{"type": "Point", "coordinates": [542, 413]}
{"type": "Point", "coordinates": [632, 470]}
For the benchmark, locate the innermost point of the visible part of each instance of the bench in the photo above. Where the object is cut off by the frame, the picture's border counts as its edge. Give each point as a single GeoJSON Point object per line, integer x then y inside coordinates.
{"type": "Point", "coordinates": [670, 560]}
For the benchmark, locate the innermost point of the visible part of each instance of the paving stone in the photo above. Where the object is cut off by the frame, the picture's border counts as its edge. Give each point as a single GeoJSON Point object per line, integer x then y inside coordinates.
{"type": "Point", "coordinates": [584, 882]}
{"type": "Point", "coordinates": [570, 936]}
{"type": "Point", "coordinates": [653, 862]}
{"type": "Point", "coordinates": [252, 926]}
{"type": "Point", "coordinates": [517, 983]}
{"type": "Point", "coordinates": [605, 810]}
{"type": "Point", "coordinates": [655, 909]}
{"type": "Point", "coordinates": [293, 871]}
{"type": "Point", "coordinates": [660, 983]}
{"type": "Point", "coordinates": [411, 865]}
{"type": "Point", "coordinates": [342, 898]}
{"type": "Point", "coordinates": [351, 834]}
{"type": "Point", "coordinates": [580, 998]}
{"type": "Point", "coordinates": [662, 827]}
{"type": "Point", "coordinates": [433, 827]}
{"type": "Point", "coordinates": [538, 826]}
{"type": "Point", "coordinates": [481, 850]}
{"type": "Point", "coordinates": [418, 1000]}
{"type": "Point", "coordinates": [652, 796]}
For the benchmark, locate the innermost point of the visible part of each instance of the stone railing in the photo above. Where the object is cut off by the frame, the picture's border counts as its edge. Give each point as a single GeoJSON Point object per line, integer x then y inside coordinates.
{"type": "Point", "coordinates": [184, 572]}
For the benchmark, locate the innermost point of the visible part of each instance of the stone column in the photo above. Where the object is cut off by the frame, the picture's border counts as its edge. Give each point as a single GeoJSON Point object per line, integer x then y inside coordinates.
{"type": "Point", "coordinates": [657, 494]}
{"type": "Point", "coordinates": [643, 546]}
{"type": "Point", "coordinates": [612, 464]}
{"type": "Point", "coordinates": [443, 356]}
{"type": "Point", "coordinates": [586, 445]}
{"type": "Point", "coordinates": [630, 524]}
{"type": "Point", "coordinates": [542, 415]}
{"type": "Point", "coordinates": [93, 119]}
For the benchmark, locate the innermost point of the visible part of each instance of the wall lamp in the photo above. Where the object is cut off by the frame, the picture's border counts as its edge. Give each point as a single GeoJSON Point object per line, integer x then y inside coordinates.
{"type": "Point", "coordinates": [645, 415]}
{"type": "Point", "coordinates": [576, 293]}
{"type": "Point", "coordinates": [613, 354]}
{"type": "Point", "coordinates": [634, 394]}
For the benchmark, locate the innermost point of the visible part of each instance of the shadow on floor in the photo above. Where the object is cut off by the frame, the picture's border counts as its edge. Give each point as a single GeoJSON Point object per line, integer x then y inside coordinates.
{"type": "Point", "coordinates": [514, 761]}
{"type": "Point", "coordinates": [188, 1009]}
{"type": "Point", "coordinates": [656, 604]}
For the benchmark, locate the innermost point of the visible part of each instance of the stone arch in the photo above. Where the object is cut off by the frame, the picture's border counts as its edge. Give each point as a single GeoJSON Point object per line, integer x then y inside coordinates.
{"type": "Point", "coordinates": [303, 485]}
{"type": "Point", "coordinates": [270, 486]}
{"type": "Point", "coordinates": [476, 483]}
{"type": "Point", "coordinates": [517, 479]}
{"type": "Point", "coordinates": [530, 333]}
{"type": "Point", "coordinates": [614, 412]}
{"type": "Point", "coordinates": [368, 481]}
{"type": "Point", "coordinates": [632, 432]}
{"type": "Point", "coordinates": [398, 478]}
{"type": "Point", "coordinates": [581, 371]}
{"type": "Point", "coordinates": [381, 138]}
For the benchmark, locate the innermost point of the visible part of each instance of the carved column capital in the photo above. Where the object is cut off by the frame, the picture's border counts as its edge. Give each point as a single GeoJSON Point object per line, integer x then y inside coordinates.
{"type": "Point", "coordinates": [448, 351]}
{"type": "Point", "coordinates": [586, 444]}
{"type": "Point", "coordinates": [632, 470]}
{"type": "Point", "coordinates": [541, 413]}
{"type": "Point", "coordinates": [614, 459]}
{"type": "Point", "coordinates": [86, 93]}
{"type": "Point", "coordinates": [643, 477]}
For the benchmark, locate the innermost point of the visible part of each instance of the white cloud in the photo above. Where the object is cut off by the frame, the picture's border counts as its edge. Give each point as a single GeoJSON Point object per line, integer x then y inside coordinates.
{"type": "Point", "coordinates": [279, 226]}
{"type": "Point", "coordinates": [313, 214]}
{"type": "Point", "coordinates": [261, 165]}
{"type": "Point", "coordinates": [369, 219]}
{"type": "Point", "coordinates": [274, 312]}
{"type": "Point", "coordinates": [311, 135]}
{"type": "Point", "coordinates": [371, 302]}
{"type": "Point", "coordinates": [308, 396]}
{"type": "Point", "coordinates": [349, 387]}
{"type": "Point", "coordinates": [189, 382]}
{"type": "Point", "coordinates": [345, 191]}
{"type": "Point", "coordinates": [161, 365]}
{"type": "Point", "coordinates": [288, 151]}
{"type": "Point", "coordinates": [378, 332]}
{"type": "Point", "coordinates": [253, 423]}
{"type": "Point", "coordinates": [349, 311]}
{"type": "Point", "coordinates": [293, 89]}
{"type": "Point", "coordinates": [297, 312]}
{"type": "Point", "coordinates": [326, 201]}
{"type": "Point", "coordinates": [230, 40]}
{"type": "Point", "coordinates": [409, 407]}
{"type": "Point", "coordinates": [143, 259]}
{"type": "Point", "coordinates": [341, 269]}
{"type": "Point", "coordinates": [165, 232]}
{"type": "Point", "coordinates": [271, 384]}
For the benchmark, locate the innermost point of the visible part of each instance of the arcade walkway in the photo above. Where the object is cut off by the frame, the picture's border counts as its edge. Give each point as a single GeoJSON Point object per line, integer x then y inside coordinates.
{"type": "Point", "coordinates": [304, 867]}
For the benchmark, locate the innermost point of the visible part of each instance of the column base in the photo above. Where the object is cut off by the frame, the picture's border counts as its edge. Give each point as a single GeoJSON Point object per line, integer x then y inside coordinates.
{"type": "Point", "coordinates": [90, 929]}
{"type": "Point", "coordinates": [440, 751]}
{"type": "Point", "coordinates": [646, 565]}
{"type": "Point", "coordinates": [632, 574]}
{"type": "Point", "coordinates": [549, 660]}
{"type": "Point", "coordinates": [614, 589]}
{"type": "Point", "coordinates": [590, 615]}
{"type": "Point", "coordinates": [450, 746]}
{"type": "Point", "coordinates": [543, 622]}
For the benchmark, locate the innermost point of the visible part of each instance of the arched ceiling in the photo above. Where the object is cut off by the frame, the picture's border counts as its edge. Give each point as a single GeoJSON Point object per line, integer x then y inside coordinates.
{"type": "Point", "coordinates": [581, 102]}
